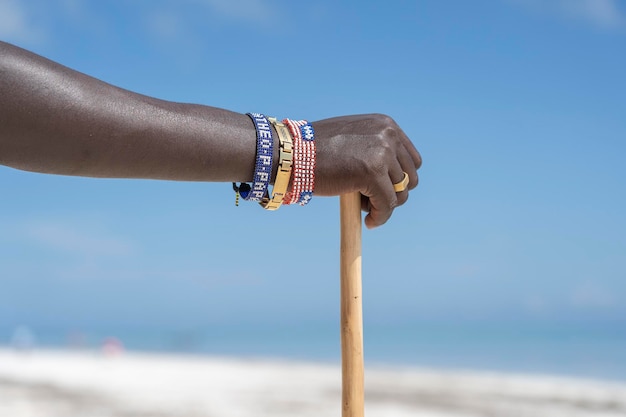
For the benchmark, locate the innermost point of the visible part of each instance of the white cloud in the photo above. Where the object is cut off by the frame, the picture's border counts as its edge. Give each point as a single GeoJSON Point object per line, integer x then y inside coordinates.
{"type": "Point", "coordinates": [591, 295]}
{"type": "Point", "coordinates": [168, 22]}
{"type": "Point", "coordinates": [74, 9]}
{"type": "Point", "coordinates": [165, 25]}
{"type": "Point", "coordinates": [15, 23]}
{"type": "Point", "coordinates": [69, 239]}
{"type": "Point", "coordinates": [171, 21]}
{"type": "Point", "coordinates": [536, 305]}
{"type": "Point", "coordinates": [605, 14]}
{"type": "Point", "coordinates": [80, 15]}
{"type": "Point", "coordinates": [246, 10]}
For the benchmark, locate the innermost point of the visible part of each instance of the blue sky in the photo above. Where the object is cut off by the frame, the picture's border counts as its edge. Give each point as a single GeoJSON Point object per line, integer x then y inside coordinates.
{"type": "Point", "coordinates": [518, 108]}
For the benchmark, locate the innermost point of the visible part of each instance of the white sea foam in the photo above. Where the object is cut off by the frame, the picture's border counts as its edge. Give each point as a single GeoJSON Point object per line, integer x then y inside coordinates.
{"type": "Point", "coordinates": [62, 383]}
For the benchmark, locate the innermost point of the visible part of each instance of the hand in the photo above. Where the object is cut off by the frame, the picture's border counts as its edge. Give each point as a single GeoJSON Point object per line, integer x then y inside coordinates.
{"type": "Point", "coordinates": [365, 153]}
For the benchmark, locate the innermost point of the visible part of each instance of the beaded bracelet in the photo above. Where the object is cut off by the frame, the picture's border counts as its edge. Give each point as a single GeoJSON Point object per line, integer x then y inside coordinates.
{"type": "Point", "coordinates": [285, 163]}
{"type": "Point", "coordinates": [263, 166]}
{"type": "Point", "coordinates": [304, 162]}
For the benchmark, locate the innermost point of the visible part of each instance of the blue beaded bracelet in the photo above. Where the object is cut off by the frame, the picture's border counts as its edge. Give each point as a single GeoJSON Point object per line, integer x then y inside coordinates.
{"type": "Point", "coordinates": [263, 165]}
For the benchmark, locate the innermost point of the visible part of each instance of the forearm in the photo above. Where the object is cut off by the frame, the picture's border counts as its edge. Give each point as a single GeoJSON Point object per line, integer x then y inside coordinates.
{"type": "Point", "coordinates": [56, 120]}
{"type": "Point", "coordinates": [59, 121]}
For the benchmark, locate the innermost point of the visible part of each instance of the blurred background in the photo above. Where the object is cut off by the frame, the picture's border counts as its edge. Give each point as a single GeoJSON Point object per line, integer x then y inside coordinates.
{"type": "Point", "coordinates": [509, 256]}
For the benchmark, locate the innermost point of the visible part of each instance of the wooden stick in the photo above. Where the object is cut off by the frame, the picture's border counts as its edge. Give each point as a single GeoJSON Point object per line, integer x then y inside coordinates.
{"type": "Point", "coordinates": [351, 307]}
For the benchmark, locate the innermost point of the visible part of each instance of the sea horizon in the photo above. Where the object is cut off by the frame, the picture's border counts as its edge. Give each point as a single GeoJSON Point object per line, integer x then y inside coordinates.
{"type": "Point", "coordinates": [580, 350]}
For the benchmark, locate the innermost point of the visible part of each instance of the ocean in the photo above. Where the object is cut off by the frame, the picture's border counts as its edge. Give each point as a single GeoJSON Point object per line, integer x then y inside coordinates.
{"type": "Point", "coordinates": [586, 350]}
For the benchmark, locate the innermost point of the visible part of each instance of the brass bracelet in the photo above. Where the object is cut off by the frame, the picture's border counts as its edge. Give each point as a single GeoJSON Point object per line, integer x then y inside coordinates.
{"type": "Point", "coordinates": [285, 163]}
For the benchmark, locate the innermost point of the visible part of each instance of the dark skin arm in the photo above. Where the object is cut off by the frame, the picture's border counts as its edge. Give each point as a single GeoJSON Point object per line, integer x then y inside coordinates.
{"type": "Point", "coordinates": [58, 121]}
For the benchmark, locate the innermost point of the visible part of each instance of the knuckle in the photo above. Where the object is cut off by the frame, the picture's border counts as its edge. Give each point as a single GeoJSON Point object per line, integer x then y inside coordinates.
{"type": "Point", "coordinates": [384, 119]}
{"type": "Point", "coordinates": [388, 127]}
{"type": "Point", "coordinates": [386, 151]}
{"type": "Point", "coordinates": [418, 163]}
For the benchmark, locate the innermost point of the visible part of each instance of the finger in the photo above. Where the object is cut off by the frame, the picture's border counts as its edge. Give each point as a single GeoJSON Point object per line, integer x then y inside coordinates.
{"type": "Point", "coordinates": [408, 166]}
{"type": "Point", "coordinates": [401, 196]}
{"type": "Point", "coordinates": [379, 213]}
{"type": "Point", "coordinates": [383, 199]}
{"type": "Point", "coordinates": [411, 149]}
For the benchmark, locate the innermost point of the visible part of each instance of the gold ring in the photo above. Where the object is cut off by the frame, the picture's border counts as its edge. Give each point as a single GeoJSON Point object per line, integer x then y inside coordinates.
{"type": "Point", "coordinates": [401, 186]}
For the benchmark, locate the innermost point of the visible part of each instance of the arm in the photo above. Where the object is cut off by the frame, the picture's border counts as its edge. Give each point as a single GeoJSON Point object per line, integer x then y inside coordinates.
{"type": "Point", "coordinates": [59, 121]}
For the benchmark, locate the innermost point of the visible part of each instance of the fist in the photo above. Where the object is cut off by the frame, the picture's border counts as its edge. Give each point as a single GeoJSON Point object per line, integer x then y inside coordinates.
{"type": "Point", "coordinates": [369, 154]}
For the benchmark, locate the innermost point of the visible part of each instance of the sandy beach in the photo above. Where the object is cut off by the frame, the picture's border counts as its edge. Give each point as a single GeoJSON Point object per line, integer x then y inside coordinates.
{"type": "Point", "coordinates": [88, 384]}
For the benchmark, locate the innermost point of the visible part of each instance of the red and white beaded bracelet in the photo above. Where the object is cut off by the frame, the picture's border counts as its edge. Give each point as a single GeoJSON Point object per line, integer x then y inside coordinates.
{"type": "Point", "coordinates": [303, 181]}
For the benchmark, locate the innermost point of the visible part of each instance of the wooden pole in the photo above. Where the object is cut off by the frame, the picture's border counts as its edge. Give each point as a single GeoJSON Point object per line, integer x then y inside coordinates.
{"type": "Point", "coordinates": [351, 307]}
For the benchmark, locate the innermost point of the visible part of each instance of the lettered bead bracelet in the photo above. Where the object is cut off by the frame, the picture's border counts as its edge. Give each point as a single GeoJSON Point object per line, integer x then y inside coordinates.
{"type": "Point", "coordinates": [263, 165]}
{"type": "Point", "coordinates": [304, 162]}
